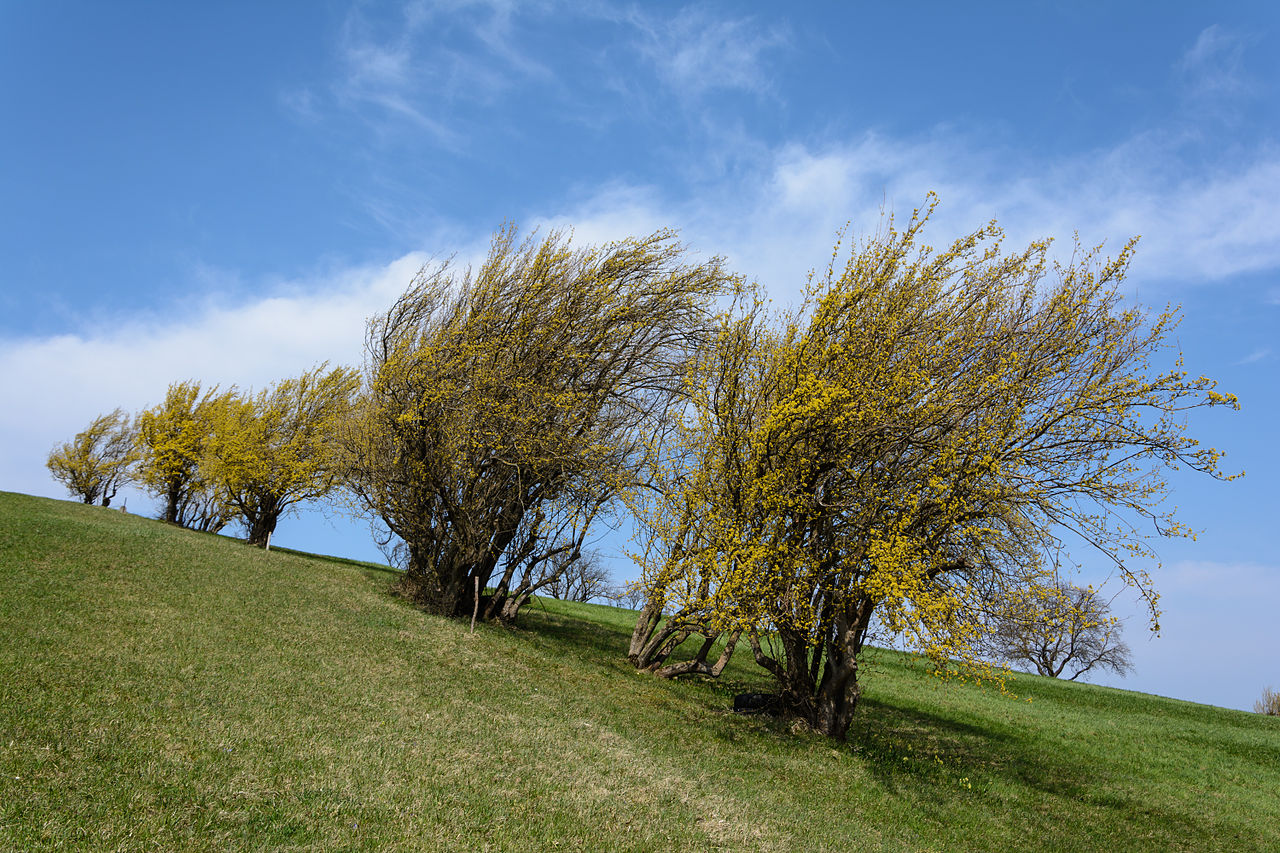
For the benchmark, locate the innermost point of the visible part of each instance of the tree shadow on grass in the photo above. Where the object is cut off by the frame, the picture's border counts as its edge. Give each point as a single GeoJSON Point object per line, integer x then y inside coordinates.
{"type": "Point", "coordinates": [906, 748]}
{"type": "Point", "coordinates": [896, 741]}
{"type": "Point", "coordinates": [585, 640]}
{"type": "Point", "coordinates": [374, 571]}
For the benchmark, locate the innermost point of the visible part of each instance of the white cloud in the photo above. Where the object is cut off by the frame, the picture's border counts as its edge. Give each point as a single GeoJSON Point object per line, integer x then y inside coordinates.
{"type": "Point", "coordinates": [55, 385]}
{"type": "Point", "coordinates": [779, 218]}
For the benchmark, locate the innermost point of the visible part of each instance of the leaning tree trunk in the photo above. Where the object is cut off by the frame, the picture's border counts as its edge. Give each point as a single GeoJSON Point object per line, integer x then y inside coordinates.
{"type": "Point", "coordinates": [828, 705]}
{"type": "Point", "coordinates": [446, 586]}
{"type": "Point", "coordinates": [435, 585]}
{"type": "Point", "coordinates": [698, 664]}
{"type": "Point", "coordinates": [646, 625]}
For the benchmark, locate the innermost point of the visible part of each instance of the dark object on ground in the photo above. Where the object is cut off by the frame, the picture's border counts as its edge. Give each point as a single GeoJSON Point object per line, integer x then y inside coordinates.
{"type": "Point", "coordinates": [756, 703]}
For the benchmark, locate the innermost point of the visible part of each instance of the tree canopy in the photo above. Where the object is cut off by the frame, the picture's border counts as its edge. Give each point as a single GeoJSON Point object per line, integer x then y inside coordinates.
{"type": "Point", "coordinates": [99, 461]}
{"type": "Point", "coordinates": [270, 452]}
{"type": "Point", "coordinates": [504, 409]}
{"type": "Point", "coordinates": [173, 446]}
{"type": "Point", "coordinates": [905, 451]}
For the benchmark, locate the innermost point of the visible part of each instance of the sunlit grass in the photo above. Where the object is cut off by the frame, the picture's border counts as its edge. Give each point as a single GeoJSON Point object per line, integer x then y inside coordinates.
{"type": "Point", "coordinates": [163, 689]}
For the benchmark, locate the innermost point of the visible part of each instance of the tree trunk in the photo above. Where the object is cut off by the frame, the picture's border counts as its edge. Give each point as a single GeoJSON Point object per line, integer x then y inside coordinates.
{"type": "Point", "coordinates": [436, 587]}
{"type": "Point", "coordinates": [835, 702]}
{"type": "Point", "coordinates": [836, 696]}
{"type": "Point", "coordinates": [699, 663]}
{"type": "Point", "coordinates": [173, 497]}
{"type": "Point", "coordinates": [261, 527]}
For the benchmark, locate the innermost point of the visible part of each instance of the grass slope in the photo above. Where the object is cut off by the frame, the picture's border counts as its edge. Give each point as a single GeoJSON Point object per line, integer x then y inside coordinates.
{"type": "Point", "coordinates": [165, 689]}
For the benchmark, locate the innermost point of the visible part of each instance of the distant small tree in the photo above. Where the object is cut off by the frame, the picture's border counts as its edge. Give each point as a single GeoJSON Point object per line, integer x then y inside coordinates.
{"type": "Point", "coordinates": [582, 580]}
{"type": "Point", "coordinates": [98, 461]}
{"type": "Point", "coordinates": [630, 595]}
{"type": "Point", "coordinates": [1269, 704]}
{"type": "Point", "coordinates": [1059, 628]}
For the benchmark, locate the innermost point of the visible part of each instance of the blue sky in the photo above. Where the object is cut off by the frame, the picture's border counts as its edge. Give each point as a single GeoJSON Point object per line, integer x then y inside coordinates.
{"type": "Point", "coordinates": [226, 191]}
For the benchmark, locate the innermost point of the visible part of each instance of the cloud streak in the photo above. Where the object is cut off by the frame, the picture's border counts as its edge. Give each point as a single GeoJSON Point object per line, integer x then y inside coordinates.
{"type": "Point", "coordinates": [695, 53]}
{"type": "Point", "coordinates": [1213, 67]}
{"type": "Point", "coordinates": [1255, 356]}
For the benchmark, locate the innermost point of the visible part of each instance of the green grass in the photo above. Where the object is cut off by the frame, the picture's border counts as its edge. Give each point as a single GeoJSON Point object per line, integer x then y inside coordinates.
{"type": "Point", "coordinates": [163, 689]}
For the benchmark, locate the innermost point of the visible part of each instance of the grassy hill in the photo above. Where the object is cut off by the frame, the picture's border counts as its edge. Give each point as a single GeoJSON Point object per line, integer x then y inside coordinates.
{"type": "Point", "coordinates": [165, 689]}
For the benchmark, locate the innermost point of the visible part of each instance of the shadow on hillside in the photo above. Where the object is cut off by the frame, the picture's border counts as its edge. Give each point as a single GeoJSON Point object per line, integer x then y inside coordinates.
{"type": "Point", "coordinates": [945, 753]}
{"type": "Point", "coordinates": [370, 570]}
{"type": "Point", "coordinates": [896, 740]}
{"type": "Point", "coordinates": [587, 641]}
{"type": "Point", "coordinates": [902, 745]}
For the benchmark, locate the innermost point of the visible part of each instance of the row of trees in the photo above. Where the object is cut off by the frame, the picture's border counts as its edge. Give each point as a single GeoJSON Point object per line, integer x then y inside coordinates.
{"type": "Point", "coordinates": [213, 456]}
{"type": "Point", "coordinates": [910, 454]}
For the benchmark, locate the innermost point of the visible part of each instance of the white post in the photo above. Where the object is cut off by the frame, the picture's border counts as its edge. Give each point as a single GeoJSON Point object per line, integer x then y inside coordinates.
{"type": "Point", "coordinates": [475, 611]}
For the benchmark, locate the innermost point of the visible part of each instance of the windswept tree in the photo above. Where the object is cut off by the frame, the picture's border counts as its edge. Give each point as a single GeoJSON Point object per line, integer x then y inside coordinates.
{"type": "Point", "coordinates": [173, 446]}
{"type": "Point", "coordinates": [504, 409]}
{"type": "Point", "coordinates": [270, 452]}
{"type": "Point", "coordinates": [1061, 629]}
{"type": "Point", "coordinates": [905, 452]}
{"type": "Point", "coordinates": [99, 461]}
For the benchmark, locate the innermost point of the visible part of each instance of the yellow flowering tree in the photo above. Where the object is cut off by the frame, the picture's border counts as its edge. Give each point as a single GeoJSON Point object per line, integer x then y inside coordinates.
{"type": "Point", "coordinates": [98, 461]}
{"type": "Point", "coordinates": [173, 448]}
{"type": "Point", "coordinates": [904, 451]}
{"type": "Point", "coordinates": [504, 409]}
{"type": "Point", "coordinates": [270, 452]}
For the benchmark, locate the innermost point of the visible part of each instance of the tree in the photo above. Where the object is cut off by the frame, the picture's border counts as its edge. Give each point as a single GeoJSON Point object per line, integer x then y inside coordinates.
{"type": "Point", "coordinates": [98, 461]}
{"type": "Point", "coordinates": [505, 409]}
{"type": "Point", "coordinates": [904, 453]}
{"type": "Point", "coordinates": [582, 580]}
{"type": "Point", "coordinates": [270, 452]}
{"type": "Point", "coordinates": [173, 445]}
{"type": "Point", "coordinates": [1058, 628]}
{"type": "Point", "coordinates": [1269, 704]}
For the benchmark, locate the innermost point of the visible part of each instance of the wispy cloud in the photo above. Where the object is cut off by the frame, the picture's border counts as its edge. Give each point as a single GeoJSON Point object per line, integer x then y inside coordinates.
{"type": "Point", "coordinates": [1256, 355]}
{"type": "Point", "coordinates": [430, 56]}
{"type": "Point", "coordinates": [695, 52]}
{"type": "Point", "coordinates": [1214, 68]}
